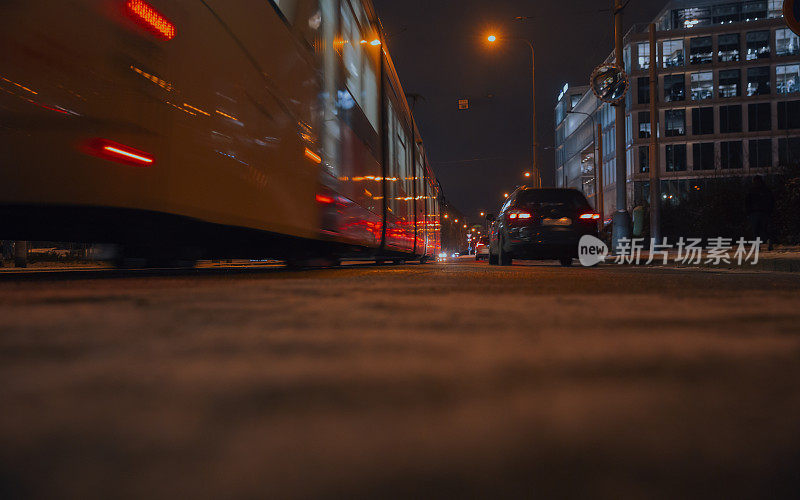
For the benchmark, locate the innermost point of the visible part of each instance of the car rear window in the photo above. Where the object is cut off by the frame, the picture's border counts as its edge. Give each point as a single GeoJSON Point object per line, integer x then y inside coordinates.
{"type": "Point", "coordinates": [552, 197]}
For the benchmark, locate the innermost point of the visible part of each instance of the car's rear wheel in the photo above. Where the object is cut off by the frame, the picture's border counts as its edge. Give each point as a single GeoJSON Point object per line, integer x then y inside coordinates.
{"type": "Point", "coordinates": [566, 261]}
{"type": "Point", "coordinates": [504, 257]}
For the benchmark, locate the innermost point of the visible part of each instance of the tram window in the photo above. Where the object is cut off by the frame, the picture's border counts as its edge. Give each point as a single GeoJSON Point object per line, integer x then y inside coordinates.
{"type": "Point", "coordinates": [370, 93]}
{"type": "Point", "coordinates": [360, 63]}
{"type": "Point", "coordinates": [401, 173]}
{"type": "Point", "coordinates": [360, 13]}
{"type": "Point", "coordinates": [309, 22]}
{"type": "Point", "coordinates": [352, 52]}
{"type": "Point", "coordinates": [392, 168]}
{"type": "Point", "coordinates": [288, 8]}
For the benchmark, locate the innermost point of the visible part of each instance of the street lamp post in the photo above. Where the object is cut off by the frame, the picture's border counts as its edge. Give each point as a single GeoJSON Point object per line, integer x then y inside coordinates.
{"type": "Point", "coordinates": [537, 174]}
{"type": "Point", "coordinates": [622, 224]}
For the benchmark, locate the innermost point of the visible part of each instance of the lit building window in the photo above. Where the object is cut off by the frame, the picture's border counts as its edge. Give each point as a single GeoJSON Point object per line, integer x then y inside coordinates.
{"type": "Point", "coordinates": [727, 13]}
{"type": "Point", "coordinates": [758, 81]}
{"type": "Point", "coordinates": [673, 53]}
{"type": "Point", "coordinates": [644, 125]}
{"type": "Point", "coordinates": [643, 49]}
{"type": "Point", "coordinates": [758, 45]}
{"type": "Point", "coordinates": [702, 86]}
{"type": "Point", "coordinates": [786, 43]}
{"type": "Point", "coordinates": [729, 47]}
{"type": "Point", "coordinates": [701, 50]}
{"type": "Point", "coordinates": [754, 10]}
{"type": "Point", "coordinates": [788, 78]}
{"type": "Point", "coordinates": [691, 18]}
{"type": "Point", "coordinates": [775, 8]}
{"type": "Point", "coordinates": [730, 83]}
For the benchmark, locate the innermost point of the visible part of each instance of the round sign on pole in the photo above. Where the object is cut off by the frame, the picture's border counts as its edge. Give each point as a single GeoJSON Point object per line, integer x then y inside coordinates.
{"type": "Point", "coordinates": [791, 13]}
{"type": "Point", "coordinates": [610, 83]}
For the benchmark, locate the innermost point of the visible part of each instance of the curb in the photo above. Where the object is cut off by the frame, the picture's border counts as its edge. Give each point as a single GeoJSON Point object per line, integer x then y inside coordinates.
{"type": "Point", "coordinates": [768, 264]}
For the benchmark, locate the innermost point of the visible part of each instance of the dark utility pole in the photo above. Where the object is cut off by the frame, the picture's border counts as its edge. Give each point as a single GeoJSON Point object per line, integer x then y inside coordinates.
{"type": "Point", "coordinates": [655, 150]}
{"type": "Point", "coordinates": [622, 223]}
{"type": "Point", "coordinates": [598, 180]}
{"type": "Point", "coordinates": [537, 174]}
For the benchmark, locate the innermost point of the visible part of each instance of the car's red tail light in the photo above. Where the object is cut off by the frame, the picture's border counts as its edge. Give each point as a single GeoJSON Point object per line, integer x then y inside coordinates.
{"type": "Point", "coordinates": [150, 19]}
{"type": "Point", "coordinates": [324, 199]}
{"type": "Point", "coordinates": [590, 216]}
{"type": "Point", "coordinates": [120, 153]}
{"type": "Point", "coordinates": [519, 215]}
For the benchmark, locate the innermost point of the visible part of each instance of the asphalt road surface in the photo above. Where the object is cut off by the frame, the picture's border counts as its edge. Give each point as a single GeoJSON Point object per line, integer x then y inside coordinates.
{"type": "Point", "coordinates": [442, 380]}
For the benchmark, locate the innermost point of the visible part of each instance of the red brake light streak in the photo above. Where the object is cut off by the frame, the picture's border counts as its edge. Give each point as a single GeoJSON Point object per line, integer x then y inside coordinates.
{"type": "Point", "coordinates": [121, 153]}
{"type": "Point", "coordinates": [313, 156]}
{"type": "Point", "coordinates": [150, 19]}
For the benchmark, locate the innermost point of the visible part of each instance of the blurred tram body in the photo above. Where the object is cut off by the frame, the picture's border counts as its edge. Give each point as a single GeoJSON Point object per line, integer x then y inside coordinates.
{"type": "Point", "coordinates": [247, 128]}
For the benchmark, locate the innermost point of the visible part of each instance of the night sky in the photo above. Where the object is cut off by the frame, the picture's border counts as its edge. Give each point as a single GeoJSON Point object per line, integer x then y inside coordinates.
{"type": "Point", "coordinates": [440, 53]}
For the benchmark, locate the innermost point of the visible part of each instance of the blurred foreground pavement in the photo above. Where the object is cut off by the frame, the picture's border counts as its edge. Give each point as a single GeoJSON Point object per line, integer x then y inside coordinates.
{"type": "Point", "coordinates": [442, 380]}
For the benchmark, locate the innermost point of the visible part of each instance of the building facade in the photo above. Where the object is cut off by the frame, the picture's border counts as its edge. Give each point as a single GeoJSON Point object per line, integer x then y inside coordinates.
{"type": "Point", "coordinates": [728, 102]}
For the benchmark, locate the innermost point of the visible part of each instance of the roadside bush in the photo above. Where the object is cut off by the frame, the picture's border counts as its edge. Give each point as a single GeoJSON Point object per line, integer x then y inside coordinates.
{"type": "Point", "coordinates": [716, 208]}
{"type": "Point", "coordinates": [787, 207]}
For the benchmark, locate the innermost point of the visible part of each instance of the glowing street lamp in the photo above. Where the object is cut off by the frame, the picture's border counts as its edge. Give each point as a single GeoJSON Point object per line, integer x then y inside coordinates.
{"type": "Point", "coordinates": [482, 214]}
{"type": "Point", "coordinates": [527, 174]}
{"type": "Point", "coordinates": [505, 195]}
{"type": "Point", "coordinates": [537, 176]}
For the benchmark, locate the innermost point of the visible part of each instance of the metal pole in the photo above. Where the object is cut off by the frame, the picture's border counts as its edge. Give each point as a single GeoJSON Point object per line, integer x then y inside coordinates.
{"type": "Point", "coordinates": [599, 178]}
{"type": "Point", "coordinates": [537, 175]}
{"type": "Point", "coordinates": [622, 223]}
{"type": "Point", "coordinates": [655, 150]}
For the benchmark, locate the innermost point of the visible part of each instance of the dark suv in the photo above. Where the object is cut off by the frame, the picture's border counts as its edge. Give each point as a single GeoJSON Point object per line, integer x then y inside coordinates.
{"type": "Point", "coordinates": [541, 224]}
